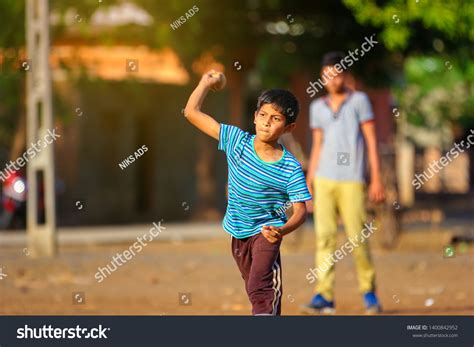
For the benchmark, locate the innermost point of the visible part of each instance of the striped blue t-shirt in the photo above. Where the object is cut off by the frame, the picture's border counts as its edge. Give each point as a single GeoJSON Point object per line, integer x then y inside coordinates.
{"type": "Point", "coordinates": [259, 192]}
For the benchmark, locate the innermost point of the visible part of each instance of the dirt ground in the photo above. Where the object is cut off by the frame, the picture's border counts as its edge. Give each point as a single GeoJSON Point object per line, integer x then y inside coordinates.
{"type": "Point", "coordinates": [414, 278]}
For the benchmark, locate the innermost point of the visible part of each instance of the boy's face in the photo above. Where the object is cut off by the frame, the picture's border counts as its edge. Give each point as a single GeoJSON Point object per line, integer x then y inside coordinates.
{"type": "Point", "coordinates": [335, 81]}
{"type": "Point", "coordinates": [270, 124]}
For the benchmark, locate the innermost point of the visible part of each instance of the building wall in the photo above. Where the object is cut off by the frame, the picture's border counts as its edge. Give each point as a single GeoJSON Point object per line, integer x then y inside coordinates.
{"type": "Point", "coordinates": [118, 118]}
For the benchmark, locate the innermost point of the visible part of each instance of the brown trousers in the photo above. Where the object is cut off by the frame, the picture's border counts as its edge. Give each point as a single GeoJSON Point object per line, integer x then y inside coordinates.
{"type": "Point", "coordinates": [260, 265]}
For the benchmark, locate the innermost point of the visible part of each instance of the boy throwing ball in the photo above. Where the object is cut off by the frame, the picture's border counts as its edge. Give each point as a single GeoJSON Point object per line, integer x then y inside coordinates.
{"type": "Point", "coordinates": [264, 180]}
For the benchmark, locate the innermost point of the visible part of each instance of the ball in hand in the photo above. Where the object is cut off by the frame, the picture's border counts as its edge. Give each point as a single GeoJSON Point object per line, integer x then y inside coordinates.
{"type": "Point", "coordinates": [220, 83]}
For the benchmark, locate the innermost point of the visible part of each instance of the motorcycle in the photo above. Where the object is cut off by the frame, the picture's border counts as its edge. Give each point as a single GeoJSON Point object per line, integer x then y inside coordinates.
{"type": "Point", "coordinates": [13, 202]}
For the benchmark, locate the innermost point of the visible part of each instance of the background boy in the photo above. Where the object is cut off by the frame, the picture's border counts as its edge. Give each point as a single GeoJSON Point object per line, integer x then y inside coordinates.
{"type": "Point", "coordinates": [263, 177]}
{"type": "Point", "coordinates": [340, 123]}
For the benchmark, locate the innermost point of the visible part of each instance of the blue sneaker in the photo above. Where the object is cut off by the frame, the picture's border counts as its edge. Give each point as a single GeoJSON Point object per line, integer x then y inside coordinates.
{"type": "Point", "coordinates": [319, 305]}
{"type": "Point", "coordinates": [372, 305]}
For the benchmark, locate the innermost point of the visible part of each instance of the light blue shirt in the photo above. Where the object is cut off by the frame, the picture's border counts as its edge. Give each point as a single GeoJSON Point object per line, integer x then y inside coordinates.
{"type": "Point", "coordinates": [342, 156]}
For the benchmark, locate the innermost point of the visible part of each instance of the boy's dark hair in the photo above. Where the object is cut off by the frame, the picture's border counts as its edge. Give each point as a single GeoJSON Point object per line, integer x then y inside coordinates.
{"type": "Point", "coordinates": [332, 58]}
{"type": "Point", "coordinates": [283, 101]}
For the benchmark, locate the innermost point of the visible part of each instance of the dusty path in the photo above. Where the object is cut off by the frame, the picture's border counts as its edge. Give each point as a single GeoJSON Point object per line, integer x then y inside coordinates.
{"type": "Point", "coordinates": [414, 278]}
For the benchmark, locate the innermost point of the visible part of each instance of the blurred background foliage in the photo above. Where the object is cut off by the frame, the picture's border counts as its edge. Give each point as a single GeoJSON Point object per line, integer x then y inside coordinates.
{"type": "Point", "coordinates": [405, 24]}
{"type": "Point", "coordinates": [275, 39]}
{"type": "Point", "coordinates": [438, 97]}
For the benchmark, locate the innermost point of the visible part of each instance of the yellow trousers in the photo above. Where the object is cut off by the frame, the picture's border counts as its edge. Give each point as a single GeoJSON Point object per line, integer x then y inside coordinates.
{"type": "Point", "coordinates": [347, 198]}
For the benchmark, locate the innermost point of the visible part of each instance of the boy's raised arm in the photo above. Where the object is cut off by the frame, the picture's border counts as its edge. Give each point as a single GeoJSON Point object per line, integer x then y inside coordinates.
{"type": "Point", "coordinates": [192, 112]}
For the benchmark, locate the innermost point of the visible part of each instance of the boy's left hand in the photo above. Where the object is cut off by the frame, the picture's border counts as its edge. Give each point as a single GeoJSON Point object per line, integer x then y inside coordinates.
{"type": "Point", "coordinates": [271, 233]}
{"type": "Point", "coordinates": [376, 191]}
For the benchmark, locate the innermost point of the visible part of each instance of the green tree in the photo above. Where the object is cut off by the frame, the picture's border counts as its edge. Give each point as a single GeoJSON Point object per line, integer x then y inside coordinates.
{"type": "Point", "coordinates": [12, 38]}
{"type": "Point", "coordinates": [434, 41]}
{"type": "Point", "coordinates": [436, 95]}
{"type": "Point", "coordinates": [404, 22]}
